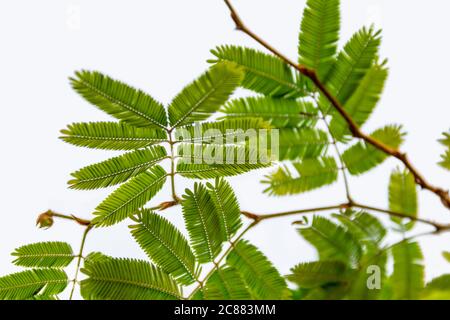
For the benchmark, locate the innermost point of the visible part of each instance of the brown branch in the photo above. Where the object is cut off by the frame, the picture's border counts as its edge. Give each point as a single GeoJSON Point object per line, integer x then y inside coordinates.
{"type": "Point", "coordinates": [439, 227]}
{"type": "Point", "coordinates": [260, 217]}
{"type": "Point", "coordinates": [353, 127]}
{"type": "Point", "coordinates": [166, 205]}
{"type": "Point", "coordinates": [46, 219]}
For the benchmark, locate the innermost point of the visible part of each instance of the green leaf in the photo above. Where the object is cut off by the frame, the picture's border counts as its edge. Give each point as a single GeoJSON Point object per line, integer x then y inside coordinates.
{"type": "Point", "coordinates": [319, 35]}
{"type": "Point", "coordinates": [363, 157]}
{"type": "Point", "coordinates": [408, 276]}
{"type": "Point", "coordinates": [95, 257]}
{"type": "Point", "coordinates": [130, 197]}
{"type": "Point", "coordinates": [446, 255]}
{"type": "Point", "coordinates": [126, 279]}
{"type": "Point", "coordinates": [265, 73]}
{"type": "Point", "coordinates": [118, 169]}
{"type": "Point", "coordinates": [402, 194]}
{"type": "Point", "coordinates": [280, 113]}
{"type": "Point", "coordinates": [205, 171]}
{"type": "Point", "coordinates": [435, 295]}
{"type": "Point", "coordinates": [446, 160]}
{"type": "Point", "coordinates": [119, 100]}
{"type": "Point", "coordinates": [332, 292]}
{"type": "Point", "coordinates": [227, 207]}
{"type": "Point", "coordinates": [302, 143]}
{"type": "Point", "coordinates": [351, 66]}
{"type": "Point", "coordinates": [202, 223]}
{"type": "Point", "coordinates": [263, 280]}
{"type": "Point", "coordinates": [111, 136]}
{"type": "Point", "coordinates": [362, 103]}
{"type": "Point", "coordinates": [332, 242]}
{"type": "Point", "coordinates": [43, 298]}
{"type": "Point", "coordinates": [363, 226]}
{"type": "Point", "coordinates": [440, 283]}
{"type": "Point", "coordinates": [27, 284]}
{"type": "Point", "coordinates": [212, 161]}
{"type": "Point", "coordinates": [44, 255]}
{"type": "Point", "coordinates": [445, 163]}
{"type": "Point", "coordinates": [228, 131]}
{"type": "Point", "coordinates": [368, 280]}
{"type": "Point", "coordinates": [226, 284]}
{"type": "Point", "coordinates": [310, 174]}
{"type": "Point", "coordinates": [200, 99]}
{"type": "Point", "coordinates": [165, 246]}
{"type": "Point", "coordinates": [437, 289]}
{"type": "Point", "coordinates": [319, 273]}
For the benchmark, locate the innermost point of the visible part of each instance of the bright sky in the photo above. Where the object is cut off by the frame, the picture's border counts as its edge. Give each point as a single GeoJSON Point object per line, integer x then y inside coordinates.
{"type": "Point", "coordinates": [160, 46]}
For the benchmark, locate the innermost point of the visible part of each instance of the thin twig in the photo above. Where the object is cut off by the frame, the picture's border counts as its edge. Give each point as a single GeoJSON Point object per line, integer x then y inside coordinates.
{"type": "Point", "coordinates": [80, 221]}
{"type": "Point", "coordinates": [172, 167]}
{"type": "Point", "coordinates": [439, 227]}
{"type": "Point", "coordinates": [260, 217]}
{"type": "Point", "coordinates": [353, 127]}
{"type": "Point", "coordinates": [80, 256]}
{"type": "Point", "coordinates": [413, 237]}
{"type": "Point", "coordinates": [340, 158]}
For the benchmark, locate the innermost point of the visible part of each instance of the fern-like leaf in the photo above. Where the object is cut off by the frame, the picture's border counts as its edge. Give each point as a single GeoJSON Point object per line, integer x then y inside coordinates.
{"type": "Point", "coordinates": [227, 207]}
{"type": "Point", "coordinates": [202, 223]}
{"type": "Point", "coordinates": [280, 113]}
{"type": "Point", "coordinates": [117, 170]}
{"type": "Point", "coordinates": [403, 194]}
{"type": "Point", "coordinates": [363, 226]}
{"type": "Point", "coordinates": [446, 255]}
{"type": "Point", "coordinates": [120, 100]}
{"type": "Point", "coordinates": [43, 298]}
{"type": "Point", "coordinates": [363, 101]}
{"type": "Point", "coordinates": [226, 284]}
{"type": "Point", "coordinates": [319, 273]}
{"type": "Point", "coordinates": [95, 257]}
{"type": "Point", "coordinates": [445, 163]}
{"type": "Point", "coordinates": [213, 161]}
{"type": "Point", "coordinates": [199, 100]}
{"type": "Point", "coordinates": [165, 246]}
{"type": "Point", "coordinates": [126, 279]}
{"type": "Point", "coordinates": [437, 289]}
{"type": "Point", "coordinates": [351, 66]}
{"type": "Point", "coordinates": [408, 276]}
{"type": "Point", "coordinates": [301, 143]}
{"type": "Point", "coordinates": [44, 255]}
{"type": "Point", "coordinates": [363, 157]}
{"type": "Point", "coordinates": [262, 278]}
{"type": "Point", "coordinates": [130, 197]}
{"type": "Point", "coordinates": [30, 283]}
{"type": "Point", "coordinates": [111, 136]}
{"type": "Point", "coordinates": [310, 174]}
{"type": "Point", "coordinates": [332, 241]}
{"type": "Point", "coordinates": [319, 35]}
{"type": "Point", "coordinates": [265, 73]}
{"type": "Point", "coordinates": [205, 171]}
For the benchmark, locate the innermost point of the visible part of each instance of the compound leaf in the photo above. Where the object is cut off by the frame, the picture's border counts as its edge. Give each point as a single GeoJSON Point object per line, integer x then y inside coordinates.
{"type": "Point", "coordinates": [119, 100]}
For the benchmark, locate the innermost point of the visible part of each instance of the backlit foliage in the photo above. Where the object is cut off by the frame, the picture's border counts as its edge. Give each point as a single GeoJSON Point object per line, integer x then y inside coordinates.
{"type": "Point", "coordinates": [357, 257]}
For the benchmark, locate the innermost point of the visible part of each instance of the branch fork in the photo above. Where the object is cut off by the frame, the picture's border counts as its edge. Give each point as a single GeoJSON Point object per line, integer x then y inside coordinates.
{"type": "Point", "coordinates": [353, 127]}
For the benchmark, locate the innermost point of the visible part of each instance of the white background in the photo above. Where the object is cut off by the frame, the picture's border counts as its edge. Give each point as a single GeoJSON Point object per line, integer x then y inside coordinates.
{"type": "Point", "coordinates": [160, 46]}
